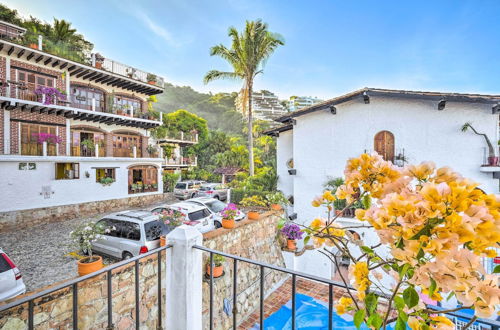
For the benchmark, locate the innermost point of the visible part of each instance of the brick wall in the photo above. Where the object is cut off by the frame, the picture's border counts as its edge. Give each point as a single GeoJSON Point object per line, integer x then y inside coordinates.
{"type": "Point", "coordinates": [38, 118]}
{"type": "Point", "coordinates": [1, 131]}
{"type": "Point", "coordinates": [60, 83]}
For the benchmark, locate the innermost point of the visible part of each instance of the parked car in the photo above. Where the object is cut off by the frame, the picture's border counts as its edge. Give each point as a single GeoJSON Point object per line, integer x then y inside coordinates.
{"type": "Point", "coordinates": [198, 216]}
{"type": "Point", "coordinates": [11, 281]}
{"type": "Point", "coordinates": [130, 234]}
{"type": "Point", "coordinates": [215, 206]}
{"type": "Point", "coordinates": [213, 190]}
{"type": "Point", "coordinates": [186, 189]}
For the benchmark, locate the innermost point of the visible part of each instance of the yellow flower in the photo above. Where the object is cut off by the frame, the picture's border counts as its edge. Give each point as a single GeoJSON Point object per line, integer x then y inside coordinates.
{"type": "Point", "coordinates": [435, 296]}
{"type": "Point", "coordinates": [360, 274]}
{"type": "Point", "coordinates": [343, 305]}
{"type": "Point", "coordinates": [414, 323]}
{"type": "Point", "coordinates": [317, 202]}
{"type": "Point", "coordinates": [442, 322]}
{"type": "Point", "coordinates": [328, 196]}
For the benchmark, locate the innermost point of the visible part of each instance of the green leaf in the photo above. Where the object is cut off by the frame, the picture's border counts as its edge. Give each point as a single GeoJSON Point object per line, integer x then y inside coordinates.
{"type": "Point", "coordinates": [359, 317]}
{"type": "Point", "coordinates": [403, 270]}
{"type": "Point", "coordinates": [496, 270]}
{"type": "Point", "coordinates": [371, 302]}
{"type": "Point", "coordinates": [399, 302]}
{"type": "Point", "coordinates": [403, 316]}
{"type": "Point", "coordinates": [306, 240]}
{"type": "Point", "coordinates": [424, 231]}
{"type": "Point", "coordinates": [410, 297]}
{"type": "Point", "coordinates": [375, 321]}
{"type": "Point", "coordinates": [400, 324]}
{"type": "Point", "coordinates": [366, 202]}
{"type": "Point", "coordinates": [452, 293]}
{"type": "Point", "coordinates": [432, 288]}
{"type": "Point", "coordinates": [400, 244]}
{"type": "Point", "coordinates": [420, 253]}
{"type": "Point", "coordinates": [366, 249]}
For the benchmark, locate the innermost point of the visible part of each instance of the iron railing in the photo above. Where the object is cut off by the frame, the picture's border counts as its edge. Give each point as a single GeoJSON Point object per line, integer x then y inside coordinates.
{"type": "Point", "coordinates": [492, 324]}
{"type": "Point", "coordinates": [74, 285]}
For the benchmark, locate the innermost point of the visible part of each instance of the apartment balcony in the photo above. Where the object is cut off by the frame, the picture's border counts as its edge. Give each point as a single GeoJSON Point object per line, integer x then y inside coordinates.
{"type": "Point", "coordinates": [17, 95]}
{"type": "Point", "coordinates": [180, 137]}
{"type": "Point", "coordinates": [63, 56]}
{"type": "Point", "coordinates": [181, 161]}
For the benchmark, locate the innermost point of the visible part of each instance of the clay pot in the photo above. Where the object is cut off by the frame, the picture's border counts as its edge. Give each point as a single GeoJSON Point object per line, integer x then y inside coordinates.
{"type": "Point", "coordinates": [163, 241]}
{"type": "Point", "coordinates": [217, 270]}
{"type": "Point", "coordinates": [291, 244]}
{"type": "Point", "coordinates": [492, 161]}
{"type": "Point", "coordinates": [228, 223]}
{"type": "Point", "coordinates": [276, 207]}
{"type": "Point", "coordinates": [151, 82]}
{"type": "Point", "coordinates": [85, 268]}
{"type": "Point", "coordinates": [98, 65]}
{"type": "Point", "coordinates": [338, 212]}
{"type": "Point", "coordinates": [253, 215]}
{"type": "Point", "coordinates": [33, 46]}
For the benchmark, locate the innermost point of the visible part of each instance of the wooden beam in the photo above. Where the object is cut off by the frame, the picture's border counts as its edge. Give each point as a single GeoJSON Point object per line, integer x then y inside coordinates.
{"type": "Point", "coordinates": [39, 58]}
{"type": "Point", "coordinates": [442, 103]}
{"type": "Point", "coordinates": [113, 81]}
{"type": "Point", "coordinates": [366, 98]}
{"type": "Point", "coordinates": [65, 64]}
{"type": "Point", "coordinates": [55, 63]}
{"type": "Point", "coordinates": [495, 109]}
{"type": "Point", "coordinates": [1, 46]}
{"type": "Point", "coordinates": [97, 76]}
{"type": "Point", "coordinates": [30, 56]}
{"type": "Point", "coordinates": [69, 114]}
{"type": "Point", "coordinates": [23, 107]}
{"type": "Point", "coordinates": [91, 74]}
{"type": "Point", "coordinates": [71, 68]}
{"type": "Point", "coordinates": [105, 81]}
{"type": "Point", "coordinates": [21, 53]}
{"type": "Point", "coordinates": [82, 73]}
{"type": "Point", "coordinates": [47, 61]}
{"type": "Point", "coordinates": [42, 109]}
{"type": "Point", "coordinates": [332, 109]}
{"type": "Point", "coordinates": [59, 112]}
{"type": "Point", "coordinates": [104, 77]}
{"type": "Point", "coordinates": [34, 108]}
{"type": "Point", "coordinates": [51, 111]}
{"type": "Point", "coordinates": [76, 71]}
{"type": "Point", "coordinates": [10, 50]}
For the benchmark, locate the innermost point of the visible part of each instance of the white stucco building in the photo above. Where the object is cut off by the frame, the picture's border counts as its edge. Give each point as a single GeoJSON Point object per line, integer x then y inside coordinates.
{"type": "Point", "coordinates": [314, 143]}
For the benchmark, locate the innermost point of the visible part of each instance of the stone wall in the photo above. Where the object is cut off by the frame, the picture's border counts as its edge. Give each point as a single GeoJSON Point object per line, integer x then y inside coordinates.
{"type": "Point", "coordinates": [54, 311]}
{"type": "Point", "coordinates": [253, 240]}
{"type": "Point", "coordinates": [14, 220]}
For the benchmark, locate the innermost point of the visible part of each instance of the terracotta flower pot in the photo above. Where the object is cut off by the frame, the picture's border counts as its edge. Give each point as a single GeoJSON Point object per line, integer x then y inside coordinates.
{"type": "Point", "coordinates": [228, 223]}
{"type": "Point", "coordinates": [33, 46]}
{"type": "Point", "coordinates": [253, 215]}
{"type": "Point", "coordinates": [217, 270]}
{"type": "Point", "coordinates": [151, 82]}
{"type": "Point", "coordinates": [492, 161]}
{"type": "Point", "coordinates": [163, 241]}
{"type": "Point", "coordinates": [85, 268]}
{"type": "Point", "coordinates": [98, 65]}
{"type": "Point", "coordinates": [291, 244]}
{"type": "Point", "coordinates": [276, 207]}
{"type": "Point", "coordinates": [338, 212]}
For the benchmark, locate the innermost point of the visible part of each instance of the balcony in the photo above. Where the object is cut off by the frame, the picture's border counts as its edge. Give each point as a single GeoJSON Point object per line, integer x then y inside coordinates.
{"type": "Point", "coordinates": [63, 56]}
{"type": "Point", "coordinates": [181, 161]}
{"type": "Point", "coordinates": [15, 94]}
{"type": "Point", "coordinates": [180, 137]}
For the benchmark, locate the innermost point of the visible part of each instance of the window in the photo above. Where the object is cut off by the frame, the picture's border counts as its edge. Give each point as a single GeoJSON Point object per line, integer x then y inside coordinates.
{"type": "Point", "coordinates": [159, 210]}
{"type": "Point", "coordinates": [142, 179]}
{"type": "Point", "coordinates": [130, 230]}
{"type": "Point", "coordinates": [32, 81]}
{"type": "Point", "coordinates": [154, 230]}
{"type": "Point", "coordinates": [122, 105]}
{"type": "Point", "coordinates": [216, 206]}
{"type": "Point", "coordinates": [67, 171]}
{"type": "Point", "coordinates": [384, 145]}
{"type": "Point", "coordinates": [180, 186]}
{"type": "Point", "coordinates": [80, 148]}
{"type": "Point", "coordinates": [113, 227]}
{"type": "Point", "coordinates": [198, 215]}
{"type": "Point", "coordinates": [29, 140]}
{"type": "Point", "coordinates": [123, 145]}
{"type": "Point", "coordinates": [82, 96]}
{"type": "Point", "coordinates": [101, 173]}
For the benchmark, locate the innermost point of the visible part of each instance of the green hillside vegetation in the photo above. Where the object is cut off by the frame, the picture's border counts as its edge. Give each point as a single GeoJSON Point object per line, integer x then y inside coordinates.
{"type": "Point", "coordinates": [218, 110]}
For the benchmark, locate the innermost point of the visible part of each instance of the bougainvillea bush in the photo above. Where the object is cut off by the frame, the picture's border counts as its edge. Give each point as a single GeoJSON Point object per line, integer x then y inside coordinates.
{"type": "Point", "coordinates": [434, 227]}
{"type": "Point", "coordinates": [230, 211]}
{"type": "Point", "coordinates": [292, 231]}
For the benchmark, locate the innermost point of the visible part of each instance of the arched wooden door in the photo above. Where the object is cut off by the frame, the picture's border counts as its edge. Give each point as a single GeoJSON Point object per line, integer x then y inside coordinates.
{"type": "Point", "coordinates": [384, 145]}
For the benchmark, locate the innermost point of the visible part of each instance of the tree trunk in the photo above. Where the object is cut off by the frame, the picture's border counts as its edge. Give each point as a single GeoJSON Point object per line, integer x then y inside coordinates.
{"type": "Point", "coordinates": [250, 133]}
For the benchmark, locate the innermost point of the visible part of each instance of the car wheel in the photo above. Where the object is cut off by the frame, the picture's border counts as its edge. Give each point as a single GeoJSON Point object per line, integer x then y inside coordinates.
{"type": "Point", "coordinates": [127, 255]}
{"type": "Point", "coordinates": [217, 224]}
{"type": "Point", "coordinates": [193, 195]}
{"type": "Point", "coordinates": [217, 197]}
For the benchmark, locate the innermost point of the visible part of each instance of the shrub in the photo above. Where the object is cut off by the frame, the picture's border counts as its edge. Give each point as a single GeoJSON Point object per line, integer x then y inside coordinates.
{"type": "Point", "coordinates": [238, 194]}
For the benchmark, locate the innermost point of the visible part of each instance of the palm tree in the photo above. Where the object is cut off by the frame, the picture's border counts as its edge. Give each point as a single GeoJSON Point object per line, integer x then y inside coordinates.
{"type": "Point", "coordinates": [248, 53]}
{"type": "Point", "coordinates": [62, 31]}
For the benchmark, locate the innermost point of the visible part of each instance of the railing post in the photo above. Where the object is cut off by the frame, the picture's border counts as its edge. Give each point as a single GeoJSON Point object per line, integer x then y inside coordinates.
{"type": "Point", "coordinates": [134, 151]}
{"type": "Point", "coordinates": [44, 148]}
{"type": "Point", "coordinates": [96, 150]}
{"type": "Point", "coordinates": [93, 104]}
{"type": "Point", "coordinates": [184, 279]}
{"type": "Point", "coordinates": [40, 42]}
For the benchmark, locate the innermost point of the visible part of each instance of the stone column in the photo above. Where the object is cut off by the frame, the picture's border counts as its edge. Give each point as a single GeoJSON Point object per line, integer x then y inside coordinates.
{"type": "Point", "coordinates": [68, 137]}
{"type": "Point", "coordinates": [7, 76]}
{"type": "Point", "coordinates": [6, 132]}
{"type": "Point", "coordinates": [184, 279]}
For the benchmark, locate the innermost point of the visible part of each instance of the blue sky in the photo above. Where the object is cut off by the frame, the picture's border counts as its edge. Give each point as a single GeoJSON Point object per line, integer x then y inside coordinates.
{"type": "Point", "coordinates": [331, 47]}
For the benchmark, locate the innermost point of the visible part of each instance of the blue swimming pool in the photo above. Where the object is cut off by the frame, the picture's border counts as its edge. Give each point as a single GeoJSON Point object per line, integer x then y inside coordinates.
{"type": "Point", "coordinates": [311, 314]}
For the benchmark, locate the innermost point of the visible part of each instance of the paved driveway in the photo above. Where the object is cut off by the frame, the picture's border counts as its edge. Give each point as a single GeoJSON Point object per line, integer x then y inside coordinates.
{"type": "Point", "coordinates": [40, 252]}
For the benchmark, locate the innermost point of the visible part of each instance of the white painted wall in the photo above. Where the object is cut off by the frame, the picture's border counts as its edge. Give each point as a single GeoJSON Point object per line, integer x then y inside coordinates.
{"type": "Point", "coordinates": [283, 153]}
{"type": "Point", "coordinates": [21, 188]}
{"type": "Point", "coordinates": [322, 142]}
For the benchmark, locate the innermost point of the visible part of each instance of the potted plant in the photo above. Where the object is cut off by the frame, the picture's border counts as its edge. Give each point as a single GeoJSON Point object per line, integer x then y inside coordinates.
{"type": "Point", "coordinates": [151, 149]}
{"type": "Point", "coordinates": [155, 186]}
{"type": "Point", "coordinates": [254, 203]}
{"type": "Point", "coordinates": [88, 144]}
{"type": "Point", "coordinates": [106, 181]}
{"type": "Point", "coordinates": [277, 200]}
{"type": "Point", "coordinates": [292, 233]}
{"type": "Point", "coordinates": [83, 236]}
{"type": "Point", "coordinates": [134, 187]}
{"type": "Point", "coordinates": [228, 214]}
{"type": "Point", "coordinates": [151, 78]}
{"type": "Point", "coordinates": [492, 158]}
{"type": "Point", "coordinates": [217, 268]}
{"type": "Point", "coordinates": [99, 59]}
{"type": "Point", "coordinates": [171, 219]}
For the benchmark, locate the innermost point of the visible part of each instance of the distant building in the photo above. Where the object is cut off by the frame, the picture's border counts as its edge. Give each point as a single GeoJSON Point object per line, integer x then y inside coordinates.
{"type": "Point", "coordinates": [265, 105]}
{"type": "Point", "coordinates": [299, 102]}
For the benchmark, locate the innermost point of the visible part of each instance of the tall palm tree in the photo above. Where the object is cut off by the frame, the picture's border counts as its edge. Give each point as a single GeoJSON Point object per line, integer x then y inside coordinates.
{"type": "Point", "coordinates": [247, 55]}
{"type": "Point", "coordinates": [62, 31]}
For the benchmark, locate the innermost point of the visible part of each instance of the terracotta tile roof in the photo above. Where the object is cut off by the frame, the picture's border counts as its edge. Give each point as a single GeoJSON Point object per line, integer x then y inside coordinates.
{"type": "Point", "coordinates": [227, 170]}
{"type": "Point", "coordinates": [457, 97]}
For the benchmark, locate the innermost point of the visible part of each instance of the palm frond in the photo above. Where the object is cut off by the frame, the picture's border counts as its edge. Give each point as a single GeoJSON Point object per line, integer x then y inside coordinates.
{"type": "Point", "coordinates": [216, 74]}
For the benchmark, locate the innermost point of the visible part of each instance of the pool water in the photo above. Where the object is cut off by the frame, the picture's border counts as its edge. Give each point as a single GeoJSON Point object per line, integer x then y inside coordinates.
{"type": "Point", "coordinates": [310, 314]}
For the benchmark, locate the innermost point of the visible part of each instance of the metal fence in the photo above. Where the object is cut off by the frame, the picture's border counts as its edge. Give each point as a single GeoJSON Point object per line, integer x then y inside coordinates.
{"type": "Point", "coordinates": [74, 285]}
{"type": "Point", "coordinates": [457, 317]}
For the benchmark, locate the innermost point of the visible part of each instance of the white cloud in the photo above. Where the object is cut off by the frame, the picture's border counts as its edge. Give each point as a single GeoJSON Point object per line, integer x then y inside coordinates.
{"type": "Point", "coordinates": [160, 31]}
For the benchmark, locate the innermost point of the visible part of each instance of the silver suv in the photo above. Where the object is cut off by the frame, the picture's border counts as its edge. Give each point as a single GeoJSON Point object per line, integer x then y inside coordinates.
{"type": "Point", "coordinates": [186, 189]}
{"type": "Point", "coordinates": [131, 233]}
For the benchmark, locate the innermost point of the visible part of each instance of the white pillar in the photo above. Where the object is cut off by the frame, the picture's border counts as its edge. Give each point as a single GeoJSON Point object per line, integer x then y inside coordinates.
{"type": "Point", "coordinates": [134, 151]}
{"type": "Point", "coordinates": [40, 42]}
{"type": "Point", "coordinates": [161, 116]}
{"type": "Point", "coordinates": [93, 104]}
{"type": "Point", "coordinates": [6, 132]}
{"type": "Point", "coordinates": [96, 150]}
{"type": "Point", "coordinates": [68, 86]}
{"type": "Point", "coordinates": [184, 279]}
{"type": "Point", "coordinates": [68, 138]}
{"type": "Point", "coordinates": [161, 152]}
{"type": "Point", "coordinates": [44, 148]}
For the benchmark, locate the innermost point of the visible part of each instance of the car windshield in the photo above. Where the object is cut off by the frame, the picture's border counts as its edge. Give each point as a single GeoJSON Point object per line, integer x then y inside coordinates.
{"type": "Point", "coordinates": [206, 188]}
{"type": "Point", "coordinates": [198, 215]}
{"type": "Point", "coordinates": [180, 186]}
{"type": "Point", "coordinates": [216, 206]}
{"type": "Point", "coordinates": [155, 229]}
